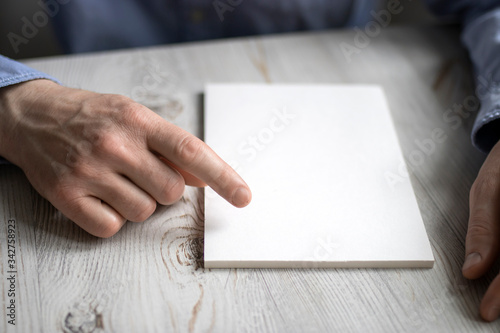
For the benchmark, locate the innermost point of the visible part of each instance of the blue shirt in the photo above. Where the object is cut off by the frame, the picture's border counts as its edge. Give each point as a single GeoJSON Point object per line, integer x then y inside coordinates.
{"type": "Point", "coordinates": [92, 25]}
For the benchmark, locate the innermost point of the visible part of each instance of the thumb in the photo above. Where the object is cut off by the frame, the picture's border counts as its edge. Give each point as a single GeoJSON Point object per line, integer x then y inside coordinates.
{"type": "Point", "coordinates": [482, 243]}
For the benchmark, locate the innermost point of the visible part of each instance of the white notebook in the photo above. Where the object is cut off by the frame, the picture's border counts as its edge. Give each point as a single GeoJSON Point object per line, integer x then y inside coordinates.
{"type": "Point", "coordinates": [327, 176]}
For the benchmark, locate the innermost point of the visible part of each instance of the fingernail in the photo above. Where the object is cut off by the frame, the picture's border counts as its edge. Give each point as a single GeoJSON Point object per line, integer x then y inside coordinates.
{"type": "Point", "coordinates": [471, 260]}
{"type": "Point", "coordinates": [241, 197]}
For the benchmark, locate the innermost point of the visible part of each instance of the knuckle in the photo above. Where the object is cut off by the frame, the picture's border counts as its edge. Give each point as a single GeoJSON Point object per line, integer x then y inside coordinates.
{"type": "Point", "coordinates": [479, 229]}
{"type": "Point", "coordinates": [72, 202]}
{"type": "Point", "coordinates": [83, 172]}
{"type": "Point", "coordinates": [118, 108]}
{"type": "Point", "coordinates": [118, 102]}
{"type": "Point", "coordinates": [480, 224]}
{"type": "Point", "coordinates": [223, 177]}
{"type": "Point", "coordinates": [189, 149]}
{"type": "Point", "coordinates": [108, 228]}
{"type": "Point", "coordinates": [143, 210]}
{"type": "Point", "coordinates": [66, 192]}
{"type": "Point", "coordinates": [103, 228]}
{"type": "Point", "coordinates": [86, 152]}
{"type": "Point", "coordinates": [109, 144]}
{"type": "Point", "coordinates": [129, 111]}
{"type": "Point", "coordinates": [484, 184]}
{"type": "Point", "coordinates": [63, 193]}
{"type": "Point", "coordinates": [172, 191]}
{"type": "Point", "coordinates": [138, 114]}
{"type": "Point", "coordinates": [85, 176]}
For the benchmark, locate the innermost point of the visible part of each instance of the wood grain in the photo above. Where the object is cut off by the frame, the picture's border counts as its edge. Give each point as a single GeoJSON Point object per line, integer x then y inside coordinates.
{"type": "Point", "coordinates": [150, 277]}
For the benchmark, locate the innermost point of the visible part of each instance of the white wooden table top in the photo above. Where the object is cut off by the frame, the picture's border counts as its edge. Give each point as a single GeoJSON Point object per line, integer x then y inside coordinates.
{"type": "Point", "coordinates": [150, 276]}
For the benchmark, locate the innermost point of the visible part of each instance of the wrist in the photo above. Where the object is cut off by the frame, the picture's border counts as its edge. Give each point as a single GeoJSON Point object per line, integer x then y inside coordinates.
{"type": "Point", "coordinates": [18, 103]}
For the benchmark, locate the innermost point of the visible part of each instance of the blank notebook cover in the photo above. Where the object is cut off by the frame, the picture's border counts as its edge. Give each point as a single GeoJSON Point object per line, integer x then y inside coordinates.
{"type": "Point", "coordinates": [325, 170]}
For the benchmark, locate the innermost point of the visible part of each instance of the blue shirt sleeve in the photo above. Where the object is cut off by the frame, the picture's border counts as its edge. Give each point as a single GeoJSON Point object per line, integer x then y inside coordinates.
{"type": "Point", "coordinates": [13, 72]}
{"type": "Point", "coordinates": [481, 36]}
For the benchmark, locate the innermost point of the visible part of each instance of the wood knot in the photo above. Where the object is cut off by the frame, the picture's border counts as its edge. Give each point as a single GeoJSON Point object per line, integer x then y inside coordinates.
{"type": "Point", "coordinates": [190, 252]}
{"type": "Point", "coordinates": [82, 321]}
{"type": "Point", "coordinates": [183, 245]}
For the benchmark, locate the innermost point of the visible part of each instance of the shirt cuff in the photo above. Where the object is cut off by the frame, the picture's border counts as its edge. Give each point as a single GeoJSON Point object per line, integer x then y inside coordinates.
{"type": "Point", "coordinates": [13, 72]}
{"type": "Point", "coordinates": [486, 130]}
{"type": "Point", "coordinates": [482, 38]}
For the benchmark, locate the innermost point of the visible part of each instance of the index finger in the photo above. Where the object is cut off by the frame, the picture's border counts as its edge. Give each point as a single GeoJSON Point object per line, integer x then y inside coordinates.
{"type": "Point", "coordinates": [193, 155]}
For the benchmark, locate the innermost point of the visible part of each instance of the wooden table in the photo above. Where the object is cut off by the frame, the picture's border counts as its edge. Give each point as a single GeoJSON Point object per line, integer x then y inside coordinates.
{"type": "Point", "coordinates": [150, 276]}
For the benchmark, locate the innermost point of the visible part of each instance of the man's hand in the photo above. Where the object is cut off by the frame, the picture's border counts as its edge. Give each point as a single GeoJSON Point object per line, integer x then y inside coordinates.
{"type": "Point", "coordinates": [104, 159]}
{"type": "Point", "coordinates": [482, 244]}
